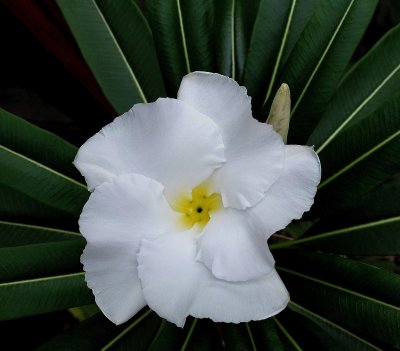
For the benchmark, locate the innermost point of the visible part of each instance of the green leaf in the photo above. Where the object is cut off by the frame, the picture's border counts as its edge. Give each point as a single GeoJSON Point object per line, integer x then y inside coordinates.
{"type": "Point", "coordinates": [38, 144]}
{"type": "Point", "coordinates": [183, 33]}
{"type": "Point", "coordinates": [276, 30]}
{"type": "Point", "coordinates": [168, 337]}
{"type": "Point", "coordinates": [15, 234]}
{"type": "Point", "coordinates": [238, 337]}
{"type": "Point", "coordinates": [28, 297]}
{"type": "Point", "coordinates": [233, 25]}
{"type": "Point", "coordinates": [341, 335]}
{"type": "Point", "coordinates": [313, 335]}
{"type": "Point", "coordinates": [38, 260]}
{"type": "Point", "coordinates": [319, 59]}
{"type": "Point", "coordinates": [267, 336]}
{"type": "Point", "coordinates": [361, 140]}
{"type": "Point", "coordinates": [353, 294]}
{"type": "Point", "coordinates": [367, 227]}
{"type": "Point", "coordinates": [137, 335]}
{"type": "Point", "coordinates": [33, 162]}
{"type": "Point", "coordinates": [196, 335]}
{"type": "Point", "coordinates": [380, 203]}
{"type": "Point", "coordinates": [16, 206]}
{"type": "Point", "coordinates": [41, 278]}
{"type": "Point", "coordinates": [117, 44]}
{"type": "Point", "coordinates": [360, 158]}
{"type": "Point", "coordinates": [291, 342]}
{"type": "Point", "coordinates": [145, 331]}
{"type": "Point", "coordinates": [199, 335]}
{"type": "Point", "coordinates": [372, 238]}
{"type": "Point", "coordinates": [98, 333]}
{"type": "Point", "coordinates": [364, 88]}
{"type": "Point", "coordinates": [40, 182]}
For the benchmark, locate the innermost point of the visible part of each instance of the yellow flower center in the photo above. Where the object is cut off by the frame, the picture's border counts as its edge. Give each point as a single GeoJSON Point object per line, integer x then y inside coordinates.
{"type": "Point", "coordinates": [196, 211]}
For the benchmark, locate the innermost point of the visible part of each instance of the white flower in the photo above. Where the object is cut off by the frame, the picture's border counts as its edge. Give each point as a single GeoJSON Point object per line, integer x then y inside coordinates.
{"type": "Point", "coordinates": [186, 193]}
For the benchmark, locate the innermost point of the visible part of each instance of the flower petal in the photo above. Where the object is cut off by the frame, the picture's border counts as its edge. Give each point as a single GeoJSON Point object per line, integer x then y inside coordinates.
{"type": "Point", "coordinates": [111, 272]}
{"type": "Point", "coordinates": [253, 164]}
{"type": "Point", "coordinates": [175, 285]}
{"type": "Point", "coordinates": [117, 215]}
{"type": "Point", "coordinates": [166, 140]}
{"type": "Point", "coordinates": [292, 194]}
{"type": "Point", "coordinates": [232, 250]}
{"type": "Point", "coordinates": [128, 207]}
{"type": "Point", "coordinates": [253, 150]}
{"type": "Point", "coordinates": [220, 98]}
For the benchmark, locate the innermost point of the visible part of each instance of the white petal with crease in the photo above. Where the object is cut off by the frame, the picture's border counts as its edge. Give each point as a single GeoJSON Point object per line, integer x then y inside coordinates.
{"type": "Point", "coordinates": [166, 140]}
{"type": "Point", "coordinates": [175, 285]}
{"type": "Point", "coordinates": [128, 207]}
{"type": "Point", "coordinates": [253, 150]}
{"type": "Point", "coordinates": [117, 215]}
{"type": "Point", "coordinates": [232, 250]}
{"type": "Point", "coordinates": [292, 194]}
{"type": "Point", "coordinates": [111, 272]}
{"type": "Point", "coordinates": [253, 164]}
{"type": "Point", "coordinates": [220, 98]}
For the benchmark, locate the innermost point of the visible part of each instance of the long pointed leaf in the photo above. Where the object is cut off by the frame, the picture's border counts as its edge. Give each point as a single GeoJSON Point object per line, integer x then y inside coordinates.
{"type": "Point", "coordinates": [346, 337]}
{"type": "Point", "coordinates": [41, 278]}
{"type": "Point", "coordinates": [365, 155]}
{"type": "Point", "coordinates": [234, 21]}
{"type": "Point", "coordinates": [267, 336]}
{"type": "Point", "coordinates": [277, 28]}
{"type": "Point", "coordinates": [38, 260]}
{"type": "Point", "coordinates": [238, 337]}
{"type": "Point", "coordinates": [372, 238]}
{"type": "Point", "coordinates": [117, 43]}
{"type": "Point", "coordinates": [291, 341]}
{"type": "Point", "coordinates": [347, 292]}
{"type": "Point", "coordinates": [366, 87]}
{"type": "Point", "coordinates": [183, 33]}
{"type": "Point", "coordinates": [17, 206]}
{"type": "Point", "coordinates": [33, 162]}
{"type": "Point", "coordinates": [320, 57]}
{"type": "Point", "coordinates": [14, 234]}
{"type": "Point", "coordinates": [98, 333]}
{"type": "Point", "coordinates": [38, 144]}
{"type": "Point", "coordinates": [40, 295]}
{"type": "Point", "coordinates": [361, 140]}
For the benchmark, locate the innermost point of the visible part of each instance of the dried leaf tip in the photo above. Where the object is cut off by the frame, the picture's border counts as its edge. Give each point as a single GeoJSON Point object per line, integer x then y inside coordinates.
{"type": "Point", "coordinates": [279, 115]}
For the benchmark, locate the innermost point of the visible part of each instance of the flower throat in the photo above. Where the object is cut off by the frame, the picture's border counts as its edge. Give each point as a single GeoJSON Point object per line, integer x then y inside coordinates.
{"type": "Point", "coordinates": [196, 211]}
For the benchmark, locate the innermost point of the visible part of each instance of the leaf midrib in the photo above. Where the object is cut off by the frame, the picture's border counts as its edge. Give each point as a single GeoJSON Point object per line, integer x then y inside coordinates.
{"type": "Point", "coordinates": [251, 337]}
{"type": "Point", "coordinates": [337, 287]}
{"type": "Point", "coordinates": [285, 244]}
{"type": "Point", "coordinates": [325, 52]}
{"type": "Point", "coordinates": [287, 334]}
{"type": "Point", "coordinates": [280, 52]}
{"type": "Point", "coordinates": [37, 227]}
{"type": "Point", "coordinates": [126, 330]}
{"type": "Point", "coordinates": [182, 29]}
{"type": "Point", "coordinates": [40, 280]}
{"type": "Point", "coordinates": [189, 335]}
{"type": "Point", "coordinates": [358, 109]}
{"type": "Point", "coordinates": [42, 166]}
{"type": "Point", "coordinates": [124, 59]}
{"type": "Point", "coordinates": [327, 321]}
{"type": "Point", "coordinates": [233, 40]}
{"type": "Point", "coordinates": [359, 159]}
